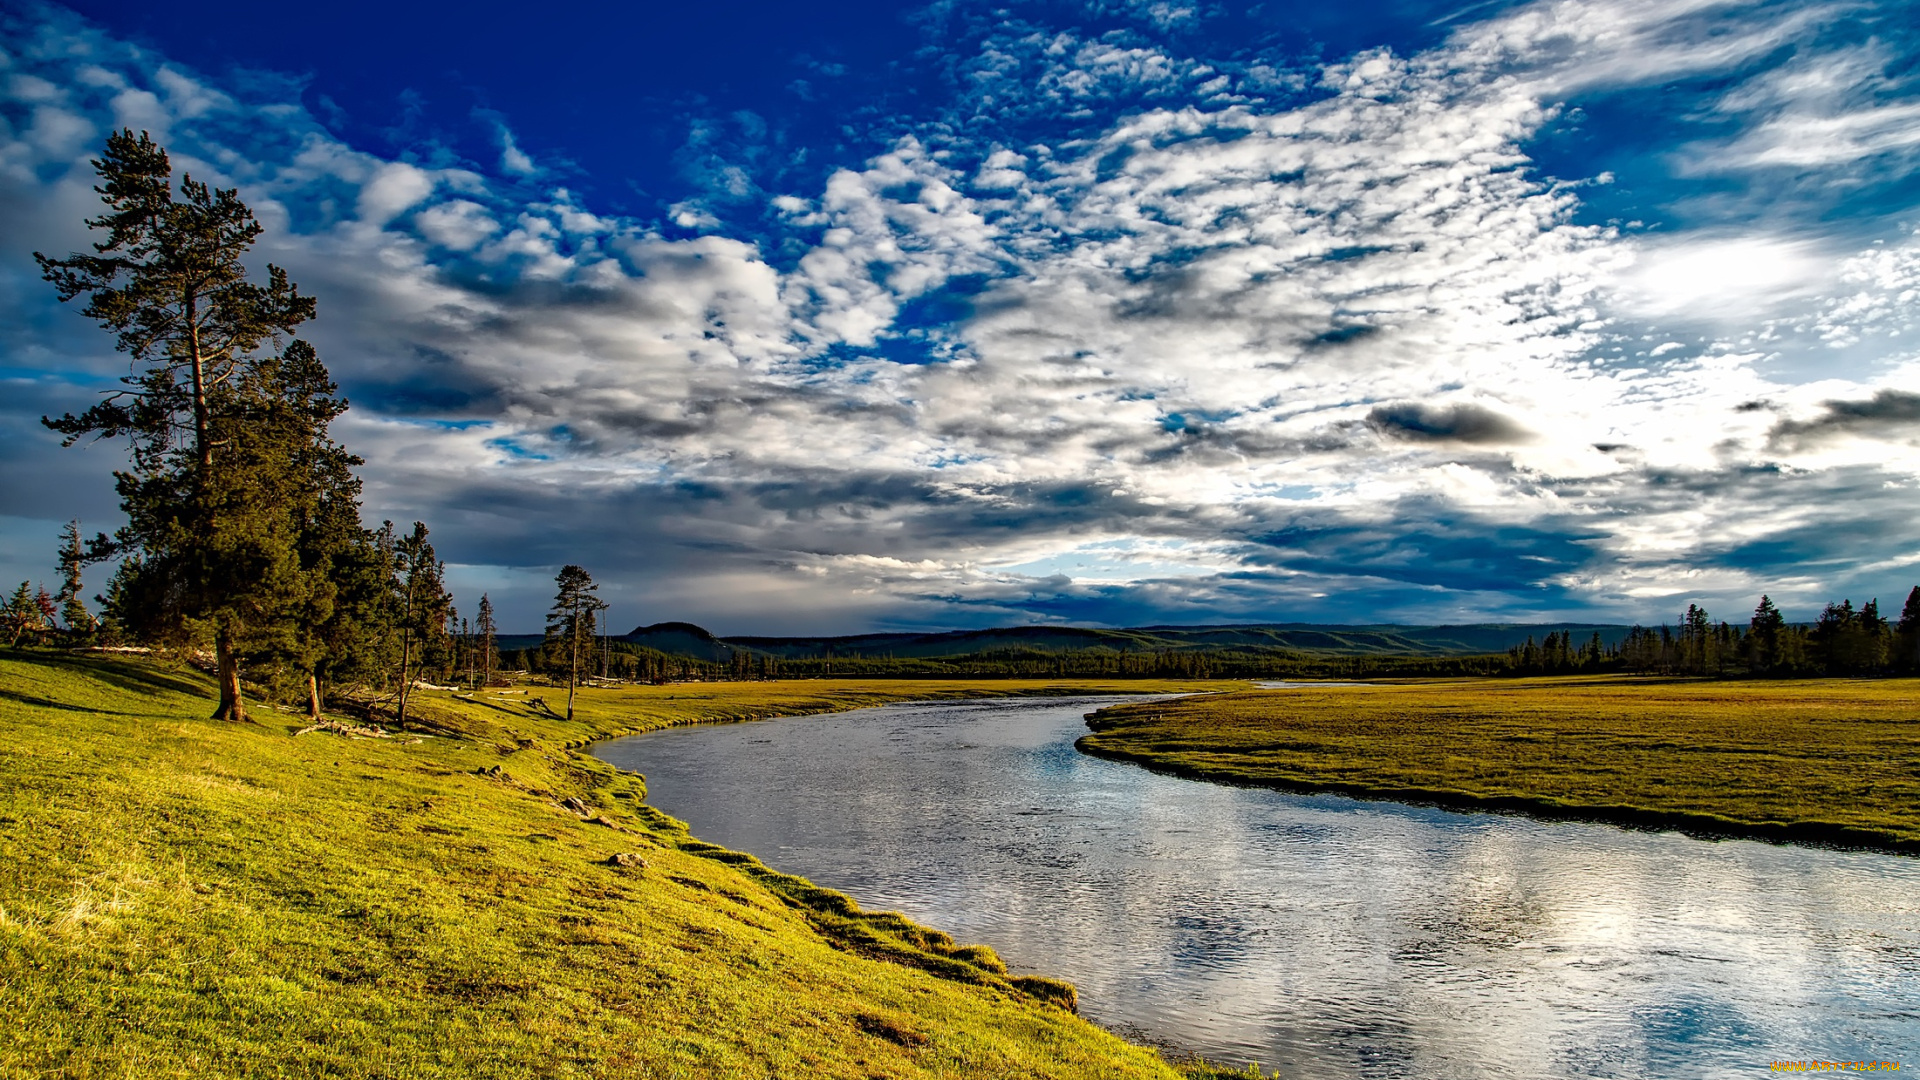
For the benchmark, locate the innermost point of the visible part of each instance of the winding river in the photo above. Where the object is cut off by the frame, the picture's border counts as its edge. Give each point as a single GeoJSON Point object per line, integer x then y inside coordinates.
{"type": "Point", "coordinates": [1322, 936]}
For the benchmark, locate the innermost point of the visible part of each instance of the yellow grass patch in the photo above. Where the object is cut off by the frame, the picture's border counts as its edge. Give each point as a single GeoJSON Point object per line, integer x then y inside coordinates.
{"type": "Point", "coordinates": [1831, 760]}
{"type": "Point", "coordinates": [189, 899]}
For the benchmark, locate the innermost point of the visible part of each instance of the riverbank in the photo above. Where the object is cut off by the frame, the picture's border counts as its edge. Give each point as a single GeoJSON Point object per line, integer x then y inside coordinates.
{"type": "Point", "coordinates": [185, 898]}
{"type": "Point", "coordinates": [1818, 761]}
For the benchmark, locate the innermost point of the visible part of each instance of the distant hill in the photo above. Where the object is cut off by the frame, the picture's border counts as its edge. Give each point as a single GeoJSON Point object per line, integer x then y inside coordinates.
{"type": "Point", "coordinates": [686, 639]}
{"type": "Point", "coordinates": [672, 638]}
{"type": "Point", "coordinates": [680, 639]}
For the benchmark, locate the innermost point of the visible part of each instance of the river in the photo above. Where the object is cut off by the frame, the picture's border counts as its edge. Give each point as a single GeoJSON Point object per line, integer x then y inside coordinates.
{"type": "Point", "coordinates": [1319, 935]}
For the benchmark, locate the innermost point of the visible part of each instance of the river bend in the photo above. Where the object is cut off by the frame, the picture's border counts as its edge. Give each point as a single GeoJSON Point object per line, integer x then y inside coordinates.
{"type": "Point", "coordinates": [1323, 936]}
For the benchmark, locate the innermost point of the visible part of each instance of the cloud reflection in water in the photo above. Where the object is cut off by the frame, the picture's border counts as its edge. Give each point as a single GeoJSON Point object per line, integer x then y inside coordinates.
{"type": "Point", "coordinates": [1319, 935]}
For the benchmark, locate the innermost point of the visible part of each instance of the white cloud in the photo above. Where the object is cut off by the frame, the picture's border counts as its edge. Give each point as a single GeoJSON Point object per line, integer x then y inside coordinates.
{"type": "Point", "coordinates": [188, 98]}
{"type": "Point", "coordinates": [460, 224]}
{"type": "Point", "coordinates": [893, 231]}
{"type": "Point", "coordinates": [990, 371]}
{"type": "Point", "coordinates": [1878, 295]}
{"type": "Point", "coordinates": [393, 189]}
{"type": "Point", "coordinates": [1820, 109]}
{"type": "Point", "coordinates": [1723, 278]}
{"type": "Point", "coordinates": [513, 159]}
{"type": "Point", "coordinates": [56, 132]}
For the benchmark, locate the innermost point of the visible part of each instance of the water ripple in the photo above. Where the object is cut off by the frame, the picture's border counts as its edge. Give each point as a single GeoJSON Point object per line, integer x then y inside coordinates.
{"type": "Point", "coordinates": [1323, 936]}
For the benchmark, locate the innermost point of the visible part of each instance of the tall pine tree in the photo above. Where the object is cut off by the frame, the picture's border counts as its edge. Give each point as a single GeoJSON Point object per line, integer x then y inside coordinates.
{"type": "Point", "coordinates": [205, 554]}
{"type": "Point", "coordinates": [285, 406]}
{"type": "Point", "coordinates": [484, 626]}
{"type": "Point", "coordinates": [570, 623]}
{"type": "Point", "coordinates": [420, 604]}
{"type": "Point", "coordinates": [1763, 636]}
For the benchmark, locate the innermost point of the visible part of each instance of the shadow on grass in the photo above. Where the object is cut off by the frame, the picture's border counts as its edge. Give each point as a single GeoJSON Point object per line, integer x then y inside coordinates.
{"type": "Point", "coordinates": [44, 703]}
{"type": "Point", "coordinates": [135, 675]}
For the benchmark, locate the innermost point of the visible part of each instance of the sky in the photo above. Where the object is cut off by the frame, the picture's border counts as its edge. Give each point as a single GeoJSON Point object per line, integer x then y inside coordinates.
{"type": "Point", "coordinates": [794, 320]}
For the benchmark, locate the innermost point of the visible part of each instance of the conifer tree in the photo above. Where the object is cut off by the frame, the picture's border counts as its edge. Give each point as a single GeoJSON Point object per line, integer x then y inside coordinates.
{"type": "Point", "coordinates": [1870, 648]}
{"type": "Point", "coordinates": [22, 615]}
{"type": "Point", "coordinates": [483, 625]}
{"type": "Point", "coordinates": [1839, 638]}
{"type": "Point", "coordinates": [420, 605]}
{"type": "Point", "coordinates": [450, 633]}
{"type": "Point", "coordinates": [73, 560]}
{"type": "Point", "coordinates": [203, 556]}
{"type": "Point", "coordinates": [46, 611]}
{"type": "Point", "coordinates": [1763, 634]}
{"type": "Point", "coordinates": [571, 621]}
{"type": "Point", "coordinates": [1906, 633]}
{"type": "Point", "coordinates": [466, 652]}
{"type": "Point", "coordinates": [1696, 640]}
{"type": "Point", "coordinates": [291, 515]}
{"type": "Point", "coordinates": [356, 642]}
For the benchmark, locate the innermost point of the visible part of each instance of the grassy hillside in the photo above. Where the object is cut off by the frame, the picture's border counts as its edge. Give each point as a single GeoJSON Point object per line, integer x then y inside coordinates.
{"type": "Point", "coordinates": [1822, 761]}
{"type": "Point", "coordinates": [180, 898]}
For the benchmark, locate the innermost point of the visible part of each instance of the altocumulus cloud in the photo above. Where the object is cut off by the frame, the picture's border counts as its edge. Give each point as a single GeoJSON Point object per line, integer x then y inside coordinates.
{"type": "Point", "coordinates": [1130, 331]}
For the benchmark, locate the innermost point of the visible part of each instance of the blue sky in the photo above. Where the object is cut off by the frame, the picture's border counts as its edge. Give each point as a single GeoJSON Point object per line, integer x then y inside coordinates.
{"type": "Point", "coordinates": [1107, 312]}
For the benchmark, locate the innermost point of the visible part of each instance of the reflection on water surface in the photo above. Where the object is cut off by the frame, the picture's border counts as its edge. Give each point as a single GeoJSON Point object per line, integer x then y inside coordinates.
{"type": "Point", "coordinates": [1319, 935]}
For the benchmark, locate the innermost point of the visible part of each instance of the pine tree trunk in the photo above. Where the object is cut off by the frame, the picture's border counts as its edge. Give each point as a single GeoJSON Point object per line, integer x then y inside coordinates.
{"type": "Point", "coordinates": [406, 655]}
{"type": "Point", "coordinates": [573, 667]}
{"type": "Point", "coordinates": [573, 675]}
{"type": "Point", "coordinates": [406, 684]}
{"type": "Point", "coordinates": [202, 420]}
{"type": "Point", "coordinates": [231, 708]}
{"type": "Point", "coordinates": [313, 697]}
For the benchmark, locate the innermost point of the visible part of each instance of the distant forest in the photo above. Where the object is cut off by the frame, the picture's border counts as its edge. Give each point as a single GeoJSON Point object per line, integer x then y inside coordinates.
{"type": "Point", "coordinates": [1843, 641]}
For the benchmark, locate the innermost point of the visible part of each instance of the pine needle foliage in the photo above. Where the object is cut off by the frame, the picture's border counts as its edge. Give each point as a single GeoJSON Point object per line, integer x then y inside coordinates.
{"type": "Point", "coordinates": [207, 553]}
{"type": "Point", "coordinates": [572, 620]}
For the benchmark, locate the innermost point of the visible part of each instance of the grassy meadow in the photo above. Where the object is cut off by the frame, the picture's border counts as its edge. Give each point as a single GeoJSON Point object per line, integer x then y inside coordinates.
{"type": "Point", "coordinates": [182, 898]}
{"type": "Point", "coordinates": [1821, 761]}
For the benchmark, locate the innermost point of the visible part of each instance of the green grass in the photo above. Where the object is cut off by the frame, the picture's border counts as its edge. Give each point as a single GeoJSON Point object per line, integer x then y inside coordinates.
{"type": "Point", "coordinates": [1826, 761]}
{"type": "Point", "coordinates": [180, 898]}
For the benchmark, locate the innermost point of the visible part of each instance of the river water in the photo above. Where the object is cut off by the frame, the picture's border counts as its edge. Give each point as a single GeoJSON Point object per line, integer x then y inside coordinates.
{"type": "Point", "coordinates": [1318, 935]}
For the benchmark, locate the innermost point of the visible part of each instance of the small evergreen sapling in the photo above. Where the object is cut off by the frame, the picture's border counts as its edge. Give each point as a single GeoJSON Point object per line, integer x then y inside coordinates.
{"type": "Point", "coordinates": [74, 557]}
{"type": "Point", "coordinates": [23, 615]}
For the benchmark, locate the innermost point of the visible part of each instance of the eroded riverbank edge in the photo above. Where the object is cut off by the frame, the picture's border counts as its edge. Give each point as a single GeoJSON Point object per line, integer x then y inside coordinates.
{"type": "Point", "coordinates": [1698, 826]}
{"type": "Point", "coordinates": [885, 935]}
{"type": "Point", "coordinates": [472, 893]}
{"type": "Point", "coordinates": [891, 936]}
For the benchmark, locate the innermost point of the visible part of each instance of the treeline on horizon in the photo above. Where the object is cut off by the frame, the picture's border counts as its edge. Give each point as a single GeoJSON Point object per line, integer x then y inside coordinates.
{"type": "Point", "coordinates": [1843, 641]}
{"type": "Point", "coordinates": [244, 541]}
